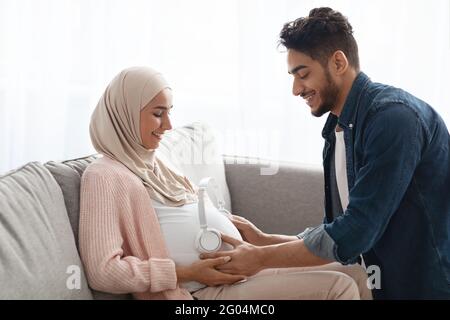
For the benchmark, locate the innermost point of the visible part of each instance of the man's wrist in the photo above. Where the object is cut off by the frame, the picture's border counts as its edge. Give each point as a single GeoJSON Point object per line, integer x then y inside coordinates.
{"type": "Point", "coordinates": [263, 252]}
{"type": "Point", "coordinates": [278, 238]}
{"type": "Point", "coordinates": [265, 239]}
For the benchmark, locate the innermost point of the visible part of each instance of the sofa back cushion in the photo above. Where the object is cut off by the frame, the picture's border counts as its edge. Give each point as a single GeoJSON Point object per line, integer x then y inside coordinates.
{"type": "Point", "coordinates": [286, 202]}
{"type": "Point", "coordinates": [68, 175]}
{"type": "Point", "coordinates": [38, 256]}
{"type": "Point", "coordinates": [193, 151]}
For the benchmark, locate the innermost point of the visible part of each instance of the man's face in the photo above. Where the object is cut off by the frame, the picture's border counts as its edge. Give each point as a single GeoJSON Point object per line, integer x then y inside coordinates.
{"type": "Point", "coordinates": [312, 82]}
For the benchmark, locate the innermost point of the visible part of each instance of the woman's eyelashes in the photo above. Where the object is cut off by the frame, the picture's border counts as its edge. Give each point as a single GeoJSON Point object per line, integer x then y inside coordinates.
{"type": "Point", "coordinates": [160, 112]}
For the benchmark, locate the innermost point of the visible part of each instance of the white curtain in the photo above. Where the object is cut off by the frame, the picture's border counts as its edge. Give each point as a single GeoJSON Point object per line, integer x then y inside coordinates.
{"type": "Point", "coordinates": [221, 57]}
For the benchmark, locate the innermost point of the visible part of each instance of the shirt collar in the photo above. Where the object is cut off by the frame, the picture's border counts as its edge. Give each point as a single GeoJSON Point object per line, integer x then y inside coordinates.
{"type": "Point", "coordinates": [347, 117]}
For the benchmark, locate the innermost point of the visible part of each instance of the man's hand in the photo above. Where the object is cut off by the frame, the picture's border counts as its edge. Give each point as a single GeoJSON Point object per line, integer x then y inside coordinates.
{"type": "Point", "coordinates": [255, 236]}
{"type": "Point", "coordinates": [249, 231]}
{"type": "Point", "coordinates": [248, 259]}
{"type": "Point", "coordinates": [205, 271]}
{"type": "Point", "coordinates": [245, 260]}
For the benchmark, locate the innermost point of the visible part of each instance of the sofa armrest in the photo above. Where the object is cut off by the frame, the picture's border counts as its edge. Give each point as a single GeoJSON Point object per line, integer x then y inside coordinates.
{"type": "Point", "coordinates": [286, 202]}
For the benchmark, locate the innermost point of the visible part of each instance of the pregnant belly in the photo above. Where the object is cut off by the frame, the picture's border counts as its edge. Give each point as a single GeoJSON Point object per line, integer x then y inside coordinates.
{"type": "Point", "coordinates": [180, 234]}
{"type": "Point", "coordinates": [180, 231]}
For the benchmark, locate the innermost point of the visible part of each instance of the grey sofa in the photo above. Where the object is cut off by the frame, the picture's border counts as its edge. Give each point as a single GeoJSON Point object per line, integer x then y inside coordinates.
{"type": "Point", "coordinates": [39, 209]}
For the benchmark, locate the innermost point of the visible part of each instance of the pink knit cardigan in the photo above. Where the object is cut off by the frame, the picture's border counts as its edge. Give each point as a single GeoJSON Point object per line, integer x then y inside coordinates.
{"type": "Point", "coordinates": [121, 244]}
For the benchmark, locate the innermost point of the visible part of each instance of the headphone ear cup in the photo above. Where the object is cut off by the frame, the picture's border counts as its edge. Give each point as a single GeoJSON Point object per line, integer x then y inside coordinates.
{"type": "Point", "coordinates": [208, 241]}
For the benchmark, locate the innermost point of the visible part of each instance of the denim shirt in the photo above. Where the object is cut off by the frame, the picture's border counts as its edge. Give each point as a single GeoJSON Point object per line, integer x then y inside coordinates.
{"type": "Point", "coordinates": [398, 171]}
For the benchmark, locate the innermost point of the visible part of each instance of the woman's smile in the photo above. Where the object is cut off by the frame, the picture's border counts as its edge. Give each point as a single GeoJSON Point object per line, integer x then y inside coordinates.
{"type": "Point", "coordinates": [157, 135]}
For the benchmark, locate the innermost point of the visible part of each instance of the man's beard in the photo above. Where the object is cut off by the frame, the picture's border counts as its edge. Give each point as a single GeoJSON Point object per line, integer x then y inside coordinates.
{"type": "Point", "coordinates": [328, 96]}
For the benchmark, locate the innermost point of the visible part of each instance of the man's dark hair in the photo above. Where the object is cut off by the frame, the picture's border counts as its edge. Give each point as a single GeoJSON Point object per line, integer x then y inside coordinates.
{"type": "Point", "coordinates": [319, 35]}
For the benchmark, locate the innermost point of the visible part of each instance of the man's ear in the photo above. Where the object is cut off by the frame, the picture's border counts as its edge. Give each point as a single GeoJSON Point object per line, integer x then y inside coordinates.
{"type": "Point", "coordinates": [339, 62]}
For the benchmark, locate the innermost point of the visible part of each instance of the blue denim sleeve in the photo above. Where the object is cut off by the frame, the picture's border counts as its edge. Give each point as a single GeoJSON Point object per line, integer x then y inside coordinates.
{"type": "Point", "coordinates": [304, 233]}
{"type": "Point", "coordinates": [319, 243]}
{"type": "Point", "coordinates": [392, 146]}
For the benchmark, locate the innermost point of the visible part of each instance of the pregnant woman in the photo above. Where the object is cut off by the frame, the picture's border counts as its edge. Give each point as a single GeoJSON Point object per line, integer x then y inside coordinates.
{"type": "Point", "coordinates": [139, 219]}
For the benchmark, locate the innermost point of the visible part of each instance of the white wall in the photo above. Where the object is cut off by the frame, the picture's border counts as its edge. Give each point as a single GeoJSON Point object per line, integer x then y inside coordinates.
{"type": "Point", "coordinates": [221, 57]}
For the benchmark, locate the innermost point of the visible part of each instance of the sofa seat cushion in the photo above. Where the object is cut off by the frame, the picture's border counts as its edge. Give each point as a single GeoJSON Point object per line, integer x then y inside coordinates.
{"type": "Point", "coordinates": [38, 257]}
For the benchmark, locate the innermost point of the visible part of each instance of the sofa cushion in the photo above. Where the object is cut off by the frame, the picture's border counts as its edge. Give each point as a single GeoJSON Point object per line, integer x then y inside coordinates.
{"type": "Point", "coordinates": [38, 257]}
{"type": "Point", "coordinates": [193, 150]}
{"type": "Point", "coordinates": [286, 202]}
{"type": "Point", "coordinates": [68, 175]}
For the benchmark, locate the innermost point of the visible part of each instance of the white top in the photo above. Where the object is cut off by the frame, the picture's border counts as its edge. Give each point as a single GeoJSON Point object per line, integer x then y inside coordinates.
{"type": "Point", "coordinates": [180, 227]}
{"type": "Point", "coordinates": [340, 164]}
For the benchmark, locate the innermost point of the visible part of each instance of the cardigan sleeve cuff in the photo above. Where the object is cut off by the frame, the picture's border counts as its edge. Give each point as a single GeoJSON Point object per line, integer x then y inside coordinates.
{"type": "Point", "coordinates": [163, 275]}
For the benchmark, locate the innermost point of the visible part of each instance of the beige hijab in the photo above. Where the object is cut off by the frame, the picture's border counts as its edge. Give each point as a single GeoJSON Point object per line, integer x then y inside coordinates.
{"type": "Point", "coordinates": [115, 132]}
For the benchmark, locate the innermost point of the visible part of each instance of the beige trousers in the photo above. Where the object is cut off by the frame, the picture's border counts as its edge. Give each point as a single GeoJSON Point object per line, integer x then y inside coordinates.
{"type": "Point", "coordinates": [328, 282]}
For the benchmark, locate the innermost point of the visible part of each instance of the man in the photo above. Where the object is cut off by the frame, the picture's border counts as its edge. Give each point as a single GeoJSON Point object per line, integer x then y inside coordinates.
{"type": "Point", "coordinates": [386, 167]}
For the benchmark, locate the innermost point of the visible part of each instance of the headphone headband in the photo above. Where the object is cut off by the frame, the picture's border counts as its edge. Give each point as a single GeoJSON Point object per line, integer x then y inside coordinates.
{"type": "Point", "coordinates": [203, 187]}
{"type": "Point", "coordinates": [208, 240]}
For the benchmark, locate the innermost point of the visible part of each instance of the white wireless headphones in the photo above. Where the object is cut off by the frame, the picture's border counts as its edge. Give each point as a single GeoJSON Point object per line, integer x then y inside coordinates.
{"type": "Point", "coordinates": [208, 239]}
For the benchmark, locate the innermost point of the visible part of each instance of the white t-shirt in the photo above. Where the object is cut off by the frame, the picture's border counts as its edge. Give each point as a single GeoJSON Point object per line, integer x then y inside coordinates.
{"type": "Point", "coordinates": [180, 227]}
{"type": "Point", "coordinates": [340, 164]}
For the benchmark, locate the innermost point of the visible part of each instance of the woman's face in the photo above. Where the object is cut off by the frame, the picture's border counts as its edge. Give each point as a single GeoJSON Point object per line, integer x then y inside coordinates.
{"type": "Point", "coordinates": [155, 119]}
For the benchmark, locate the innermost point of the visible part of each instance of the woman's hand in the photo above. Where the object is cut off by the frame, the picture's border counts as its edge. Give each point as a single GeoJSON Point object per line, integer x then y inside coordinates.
{"type": "Point", "coordinates": [204, 271]}
{"type": "Point", "coordinates": [249, 232]}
